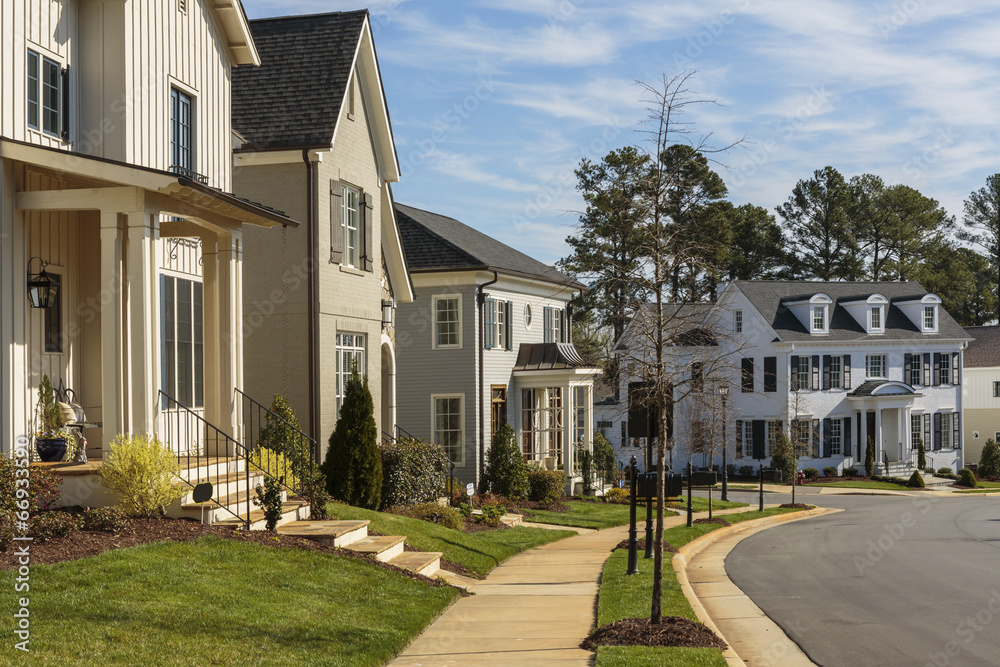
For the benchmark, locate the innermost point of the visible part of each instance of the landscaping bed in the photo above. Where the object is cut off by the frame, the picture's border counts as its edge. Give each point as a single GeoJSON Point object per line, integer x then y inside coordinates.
{"type": "Point", "coordinates": [671, 631]}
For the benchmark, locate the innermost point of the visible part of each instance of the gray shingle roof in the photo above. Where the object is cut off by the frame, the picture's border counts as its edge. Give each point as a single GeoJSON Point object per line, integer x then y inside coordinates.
{"type": "Point", "coordinates": [767, 296]}
{"type": "Point", "coordinates": [434, 242]}
{"type": "Point", "coordinates": [984, 350]}
{"type": "Point", "coordinates": [293, 99]}
{"type": "Point", "coordinates": [548, 357]}
{"type": "Point", "coordinates": [868, 389]}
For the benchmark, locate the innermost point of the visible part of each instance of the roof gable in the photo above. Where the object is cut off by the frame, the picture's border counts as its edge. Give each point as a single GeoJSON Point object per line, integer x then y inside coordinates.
{"type": "Point", "coordinates": [984, 350]}
{"type": "Point", "coordinates": [434, 242]}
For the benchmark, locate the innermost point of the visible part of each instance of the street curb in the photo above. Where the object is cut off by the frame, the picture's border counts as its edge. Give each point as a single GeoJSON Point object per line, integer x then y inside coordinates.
{"type": "Point", "coordinates": [693, 548]}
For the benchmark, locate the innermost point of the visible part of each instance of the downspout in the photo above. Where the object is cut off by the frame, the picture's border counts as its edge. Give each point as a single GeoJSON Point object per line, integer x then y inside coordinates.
{"type": "Point", "coordinates": [312, 291]}
{"type": "Point", "coordinates": [481, 302]}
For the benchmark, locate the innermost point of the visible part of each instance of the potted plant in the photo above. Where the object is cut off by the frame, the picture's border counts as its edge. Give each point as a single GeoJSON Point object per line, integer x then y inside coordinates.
{"type": "Point", "coordinates": [51, 437]}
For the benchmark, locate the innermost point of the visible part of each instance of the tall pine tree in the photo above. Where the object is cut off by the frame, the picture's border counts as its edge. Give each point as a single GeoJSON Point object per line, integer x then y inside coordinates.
{"type": "Point", "coordinates": [353, 465]}
{"type": "Point", "coordinates": [982, 221]}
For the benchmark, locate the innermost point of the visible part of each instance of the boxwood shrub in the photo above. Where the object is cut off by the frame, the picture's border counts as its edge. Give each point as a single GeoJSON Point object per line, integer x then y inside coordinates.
{"type": "Point", "coordinates": [545, 486]}
{"type": "Point", "coordinates": [811, 473]}
{"type": "Point", "coordinates": [829, 471]}
{"type": "Point", "coordinates": [967, 478]}
{"type": "Point", "coordinates": [434, 513]}
{"type": "Point", "coordinates": [413, 471]}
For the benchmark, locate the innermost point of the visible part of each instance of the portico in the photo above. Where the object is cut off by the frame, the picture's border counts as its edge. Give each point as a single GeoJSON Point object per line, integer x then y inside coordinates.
{"type": "Point", "coordinates": [882, 411]}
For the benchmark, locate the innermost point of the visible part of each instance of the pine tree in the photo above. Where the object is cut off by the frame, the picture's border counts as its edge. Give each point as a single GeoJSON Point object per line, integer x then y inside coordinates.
{"type": "Point", "coordinates": [353, 466]}
{"type": "Point", "coordinates": [870, 458]}
{"type": "Point", "coordinates": [989, 461]}
{"type": "Point", "coordinates": [922, 455]}
{"type": "Point", "coordinates": [784, 458]}
{"type": "Point", "coordinates": [506, 472]}
{"type": "Point", "coordinates": [282, 434]}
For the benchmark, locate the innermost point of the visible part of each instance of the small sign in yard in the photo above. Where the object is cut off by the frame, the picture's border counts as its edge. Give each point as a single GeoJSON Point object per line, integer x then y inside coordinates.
{"type": "Point", "coordinates": [470, 489]}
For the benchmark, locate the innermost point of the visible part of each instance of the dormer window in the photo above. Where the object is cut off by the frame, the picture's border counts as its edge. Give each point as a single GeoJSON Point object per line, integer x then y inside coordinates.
{"type": "Point", "coordinates": [819, 318]}
{"type": "Point", "coordinates": [930, 318]}
{"type": "Point", "coordinates": [876, 318]}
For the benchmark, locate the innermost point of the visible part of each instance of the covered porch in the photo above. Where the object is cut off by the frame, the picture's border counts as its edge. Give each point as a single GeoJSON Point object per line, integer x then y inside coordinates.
{"type": "Point", "coordinates": [109, 233]}
{"type": "Point", "coordinates": [882, 410]}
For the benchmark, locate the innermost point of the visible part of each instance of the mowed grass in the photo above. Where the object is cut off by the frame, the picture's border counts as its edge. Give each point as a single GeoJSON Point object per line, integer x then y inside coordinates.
{"type": "Point", "coordinates": [628, 596]}
{"type": "Point", "coordinates": [220, 602]}
{"type": "Point", "coordinates": [480, 552]}
{"type": "Point", "coordinates": [863, 484]}
{"type": "Point", "coordinates": [598, 515]}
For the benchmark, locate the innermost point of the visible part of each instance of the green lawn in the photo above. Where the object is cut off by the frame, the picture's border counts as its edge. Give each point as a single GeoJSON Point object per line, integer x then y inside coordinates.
{"type": "Point", "coordinates": [978, 490]}
{"type": "Point", "coordinates": [623, 596]}
{"type": "Point", "coordinates": [701, 504]}
{"type": "Point", "coordinates": [220, 602]}
{"type": "Point", "coordinates": [863, 484]}
{"type": "Point", "coordinates": [480, 552]}
{"type": "Point", "coordinates": [597, 515]}
{"type": "Point", "coordinates": [980, 484]}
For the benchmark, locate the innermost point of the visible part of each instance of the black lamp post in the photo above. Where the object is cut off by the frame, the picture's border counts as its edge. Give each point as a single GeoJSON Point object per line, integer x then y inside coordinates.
{"type": "Point", "coordinates": [724, 392]}
{"type": "Point", "coordinates": [42, 291]}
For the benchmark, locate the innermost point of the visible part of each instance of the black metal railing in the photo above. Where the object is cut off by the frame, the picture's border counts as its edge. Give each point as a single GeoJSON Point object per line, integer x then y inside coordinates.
{"type": "Point", "coordinates": [198, 443]}
{"type": "Point", "coordinates": [403, 433]}
{"type": "Point", "coordinates": [189, 173]}
{"type": "Point", "coordinates": [281, 450]}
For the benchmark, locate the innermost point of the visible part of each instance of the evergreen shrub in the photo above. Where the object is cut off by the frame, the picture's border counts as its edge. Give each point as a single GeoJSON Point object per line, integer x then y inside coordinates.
{"type": "Point", "coordinates": [413, 471]}
{"type": "Point", "coordinates": [143, 472]}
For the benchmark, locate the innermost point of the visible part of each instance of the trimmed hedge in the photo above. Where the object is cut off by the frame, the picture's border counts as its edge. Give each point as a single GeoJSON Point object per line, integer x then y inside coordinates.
{"type": "Point", "coordinates": [506, 472]}
{"type": "Point", "coordinates": [811, 473]}
{"type": "Point", "coordinates": [546, 486]}
{"type": "Point", "coordinates": [616, 496]}
{"type": "Point", "coordinates": [967, 478]}
{"type": "Point", "coordinates": [916, 481]}
{"type": "Point", "coordinates": [829, 471]}
{"type": "Point", "coordinates": [413, 471]}
{"type": "Point", "coordinates": [989, 461]}
{"type": "Point", "coordinates": [850, 471]}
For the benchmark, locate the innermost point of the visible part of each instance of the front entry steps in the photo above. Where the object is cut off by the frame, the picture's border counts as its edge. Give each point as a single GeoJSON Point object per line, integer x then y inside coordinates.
{"type": "Point", "coordinates": [353, 535]}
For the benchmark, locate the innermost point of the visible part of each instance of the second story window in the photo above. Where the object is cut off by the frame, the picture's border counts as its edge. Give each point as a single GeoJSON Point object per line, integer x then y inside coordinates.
{"type": "Point", "coordinates": [738, 319]}
{"type": "Point", "coordinates": [929, 317]}
{"type": "Point", "coordinates": [819, 318]}
{"type": "Point", "coordinates": [181, 133]}
{"type": "Point", "coordinates": [349, 216]}
{"type": "Point", "coordinates": [803, 372]}
{"type": "Point", "coordinates": [875, 365]}
{"type": "Point", "coordinates": [45, 83]}
{"type": "Point", "coordinates": [945, 369]}
{"type": "Point", "coordinates": [876, 318]}
{"type": "Point", "coordinates": [447, 321]}
{"type": "Point", "coordinates": [836, 371]}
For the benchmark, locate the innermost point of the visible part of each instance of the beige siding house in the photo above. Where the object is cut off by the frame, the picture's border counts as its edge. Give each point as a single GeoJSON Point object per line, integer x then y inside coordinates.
{"type": "Point", "coordinates": [488, 342]}
{"type": "Point", "coordinates": [315, 141]}
{"type": "Point", "coordinates": [115, 169]}
{"type": "Point", "coordinates": [981, 391]}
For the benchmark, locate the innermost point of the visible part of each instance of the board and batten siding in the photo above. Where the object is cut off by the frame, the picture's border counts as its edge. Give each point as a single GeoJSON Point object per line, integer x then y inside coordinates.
{"type": "Point", "coordinates": [981, 410]}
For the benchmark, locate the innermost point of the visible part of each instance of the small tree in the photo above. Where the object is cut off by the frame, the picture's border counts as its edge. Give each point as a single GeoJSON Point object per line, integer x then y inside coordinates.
{"type": "Point", "coordinates": [143, 472]}
{"type": "Point", "coordinates": [922, 455]}
{"type": "Point", "coordinates": [785, 459]}
{"type": "Point", "coordinates": [604, 457]}
{"type": "Point", "coordinates": [989, 461]}
{"type": "Point", "coordinates": [281, 433]}
{"type": "Point", "coordinates": [870, 458]}
{"type": "Point", "coordinates": [506, 472]}
{"type": "Point", "coordinates": [353, 466]}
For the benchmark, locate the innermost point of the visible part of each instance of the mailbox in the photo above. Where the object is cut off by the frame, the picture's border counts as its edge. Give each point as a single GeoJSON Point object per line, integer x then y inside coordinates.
{"type": "Point", "coordinates": [704, 478]}
{"type": "Point", "coordinates": [772, 475]}
{"type": "Point", "coordinates": [647, 484]}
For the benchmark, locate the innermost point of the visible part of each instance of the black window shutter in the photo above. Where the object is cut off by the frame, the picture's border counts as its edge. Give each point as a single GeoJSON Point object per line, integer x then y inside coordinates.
{"type": "Point", "coordinates": [937, 369]}
{"type": "Point", "coordinates": [509, 325]}
{"type": "Point", "coordinates": [739, 438]}
{"type": "Point", "coordinates": [770, 374]}
{"type": "Point", "coordinates": [336, 230]}
{"type": "Point", "coordinates": [937, 431]}
{"type": "Point", "coordinates": [826, 371]}
{"type": "Point", "coordinates": [927, 430]}
{"type": "Point", "coordinates": [846, 434]}
{"type": "Point", "coordinates": [956, 432]}
{"type": "Point", "coordinates": [956, 377]}
{"type": "Point", "coordinates": [847, 371]}
{"type": "Point", "coordinates": [64, 111]}
{"type": "Point", "coordinates": [815, 373]}
{"type": "Point", "coordinates": [927, 369]}
{"type": "Point", "coordinates": [907, 360]}
{"type": "Point", "coordinates": [758, 438]}
{"type": "Point", "coordinates": [547, 324]}
{"type": "Point", "coordinates": [793, 379]}
{"type": "Point", "coordinates": [747, 379]}
{"type": "Point", "coordinates": [368, 243]}
{"type": "Point", "coordinates": [490, 327]}
{"type": "Point", "coordinates": [815, 437]}
{"type": "Point", "coordinates": [827, 442]}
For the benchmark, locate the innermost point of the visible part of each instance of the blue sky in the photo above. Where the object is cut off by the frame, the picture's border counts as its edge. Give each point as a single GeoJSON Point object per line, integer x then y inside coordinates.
{"type": "Point", "coordinates": [495, 102]}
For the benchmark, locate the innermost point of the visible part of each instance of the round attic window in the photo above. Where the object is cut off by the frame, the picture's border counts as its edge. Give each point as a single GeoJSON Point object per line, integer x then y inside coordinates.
{"type": "Point", "coordinates": [527, 316]}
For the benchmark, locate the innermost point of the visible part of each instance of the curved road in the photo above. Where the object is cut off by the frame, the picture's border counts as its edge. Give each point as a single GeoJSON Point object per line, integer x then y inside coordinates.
{"type": "Point", "coordinates": [890, 581]}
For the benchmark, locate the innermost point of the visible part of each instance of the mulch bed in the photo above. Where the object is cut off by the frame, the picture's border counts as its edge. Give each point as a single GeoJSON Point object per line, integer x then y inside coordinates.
{"type": "Point", "coordinates": [641, 545]}
{"type": "Point", "coordinates": [534, 505]}
{"type": "Point", "coordinates": [715, 519]}
{"type": "Point", "coordinates": [671, 631]}
{"type": "Point", "coordinates": [795, 506]}
{"type": "Point", "coordinates": [85, 543]}
{"type": "Point", "coordinates": [470, 525]}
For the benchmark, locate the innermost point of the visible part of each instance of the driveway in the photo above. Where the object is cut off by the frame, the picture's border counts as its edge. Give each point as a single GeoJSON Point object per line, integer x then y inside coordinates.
{"type": "Point", "coordinates": [890, 581]}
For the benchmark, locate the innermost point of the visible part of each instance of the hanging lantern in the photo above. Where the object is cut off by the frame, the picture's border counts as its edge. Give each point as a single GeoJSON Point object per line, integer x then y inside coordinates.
{"type": "Point", "coordinates": [42, 291]}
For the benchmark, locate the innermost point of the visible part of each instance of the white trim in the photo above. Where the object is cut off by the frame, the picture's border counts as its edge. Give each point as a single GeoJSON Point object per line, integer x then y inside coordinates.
{"type": "Point", "coordinates": [434, 322]}
{"type": "Point", "coordinates": [461, 414]}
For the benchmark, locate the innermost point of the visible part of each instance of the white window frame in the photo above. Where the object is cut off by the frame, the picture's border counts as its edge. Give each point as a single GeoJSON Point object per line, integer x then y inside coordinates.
{"type": "Point", "coordinates": [916, 430]}
{"type": "Point", "coordinates": [579, 421]}
{"type": "Point", "coordinates": [882, 359]}
{"type": "Point", "coordinates": [944, 371]}
{"type": "Point", "coordinates": [738, 321]}
{"type": "Point", "coordinates": [435, 341]}
{"type": "Point", "coordinates": [836, 436]}
{"type": "Point", "coordinates": [500, 321]}
{"type": "Point", "coordinates": [915, 370]}
{"type": "Point", "coordinates": [837, 373]}
{"type": "Point", "coordinates": [169, 381]}
{"type": "Point", "coordinates": [529, 424]}
{"type": "Point", "coordinates": [819, 314]}
{"type": "Point", "coordinates": [460, 460]}
{"type": "Point", "coordinates": [747, 440]}
{"type": "Point", "coordinates": [946, 428]}
{"type": "Point", "coordinates": [354, 352]}
{"type": "Point", "coordinates": [350, 223]}
{"type": "Point", "coordinates": [38, 85]}
{"type": "Point", "coordinates": [770, 436]}
{"type": "Point", "coordinates": [872, 317]}
{"type": "Point", "coordinates": [930, 312]}
{"type": "Point", "coordinates": [527, 316]}
{"type": "Point", "coordinates": [804, 371]}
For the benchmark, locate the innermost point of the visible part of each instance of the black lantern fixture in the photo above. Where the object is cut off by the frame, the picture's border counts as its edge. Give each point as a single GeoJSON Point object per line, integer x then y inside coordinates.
{"type": "Point", "coordinates": [386, 313]}
{"type": "Point", "coordinates": [724, 392]}
{"type": "Point", "coordinates": [42, 291]}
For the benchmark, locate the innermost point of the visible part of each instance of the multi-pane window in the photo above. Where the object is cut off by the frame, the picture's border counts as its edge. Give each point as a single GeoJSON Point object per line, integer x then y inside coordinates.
{"type": "Point", "coordinates": [738, 319]}
{"type": "Point", "coordinates": [928, 317]}
{"type": "Point", "coordinates": [498, 407]}
{"type": "Point", "coordinates": [773, 428]}
{"type": "Point", "coordinates": [448, 425]}
{"type": "Point", "coordinates": [43, 77]}
{"type": "Point", "coordinates": [819, 318]}
{"type": "Point", "coordinates": [747, 444]}
{"type": "Point", "coordinates": [527, 316]}
{"type": "Point", "coordinates": [350, 215]}
{"type": "Point", "coordinates": [915, 371]}
{"type": "Point", "coordinates": [553, 426]}
{"type": "Point", "coordinates": [53, 318]}
{"type": "Point", "coordinates": [698, 377]}
{"type": "Point", "coordinates": [579, 415]}
{"type": "Point", "coordinates": [555, 325]}
{"type": "Point", "coordinates": [945, 371]}
{"type": "Point", "coordinates": [529, 425]}
{"type": "Point", "coordinates": [502, 310]}
{"type": "Point", "coordinates": [875, 366]}
{"type": "Point", "coordinates": [916, 430]}
{"type": "Point", "coordinates": [182, 340]}
{"type": "Point", "coordinates": [801, 436]}
{"type": "Point", "coordinates": [876, 318]}
{"type": "Point", "coordinates": [803, 374]}
{"type": "Point", "coordinates": [181, 133]}
{"type": "Point", "coordinates": [996, 389]}
{"type": "Point", "coordinates": [350, 358]}
{"type": "Point", "coordinates": [836, 436]}
{"type": "Point", "coordinates": [946, 430]}
{"type": "Point", "coordinates": [836, 371]}
{"type": "Point", "coordinates": [447, 330]}
{"type": "Point", "coordinates": [624, 434]}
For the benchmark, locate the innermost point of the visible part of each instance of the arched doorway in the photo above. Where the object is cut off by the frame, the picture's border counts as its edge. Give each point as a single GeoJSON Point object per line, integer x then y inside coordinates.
{"type": "Point", "coordinates": [388, 417]}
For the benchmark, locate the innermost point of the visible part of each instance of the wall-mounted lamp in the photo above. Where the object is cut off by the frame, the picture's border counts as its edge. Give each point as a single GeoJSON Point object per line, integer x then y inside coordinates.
{"type": "Point", "coordinates": [386, 313]}
{"type": "Point", "coordinates": [42, 291]}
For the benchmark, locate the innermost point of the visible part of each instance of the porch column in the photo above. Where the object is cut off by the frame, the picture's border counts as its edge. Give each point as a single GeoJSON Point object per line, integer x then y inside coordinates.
{"type": "Point", "coordinates": [111, 309]}
{"type": "Point", "coordinates": [879, 445]}
{"type": "Point", "coordinates": [863, 442]}
{"type": "Point", "coordinates": [143, 320]}
{"type": "Point", "coordinates": [213, 343]}
{"type": "Point", "coordinates": [230, 281]}
{"type": "Point", "coordinates": [569, 447]}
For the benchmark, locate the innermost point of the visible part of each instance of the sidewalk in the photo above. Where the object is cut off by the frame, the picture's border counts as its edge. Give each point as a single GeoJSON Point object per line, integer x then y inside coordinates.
{"type": "Point", "coordinates": [534, 609]}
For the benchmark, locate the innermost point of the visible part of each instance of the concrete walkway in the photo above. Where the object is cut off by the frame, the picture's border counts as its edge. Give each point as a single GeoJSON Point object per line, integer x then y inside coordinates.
{"type": "Point", "coordinates": [534, 609]}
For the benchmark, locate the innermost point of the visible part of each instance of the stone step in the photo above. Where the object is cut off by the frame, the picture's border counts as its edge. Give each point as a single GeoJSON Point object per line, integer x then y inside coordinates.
{"type": "Point", "coordinates": [425, 563]}
{"type": "Point", "coordinates": [222, 485]}
{"type": "Point", "coordinates": [384, 548]}
{"type": "Point", "coordinates": [195, 468]}
{"type": "Point", "coordinates": [234, 501]}
{"type": "Point", "coordinates": [291, 510]}
{"type": "Point", "coordinates": [508, 519]}
{"type": "Point", "coordinates": [457, 580]}
{"type": "Point", "coordinates": [334, 533]}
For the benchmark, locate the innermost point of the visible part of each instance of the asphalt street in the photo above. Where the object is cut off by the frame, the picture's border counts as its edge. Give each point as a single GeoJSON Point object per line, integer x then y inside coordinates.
{"type": "Point", "coordinates": [889, 581]}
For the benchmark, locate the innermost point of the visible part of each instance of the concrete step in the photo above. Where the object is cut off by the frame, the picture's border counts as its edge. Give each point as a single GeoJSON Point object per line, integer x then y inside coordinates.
{"type": "Point", "coordinates": [457, 580]}
{"type": "Point", "coordinates": [334, 533]}
{"type": "Point", "coordinates": [384, 548]}
{"type": "Point", "coordinates": [291, 510]}
{"type": "Point", "coordinates": [223, 485]}
{"type": "Point", "coordinates": [425, 563]}
{"type": "Point", "coordinates": [194, 469]}
{"type": "Point", "coordinates": [508, 519]}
